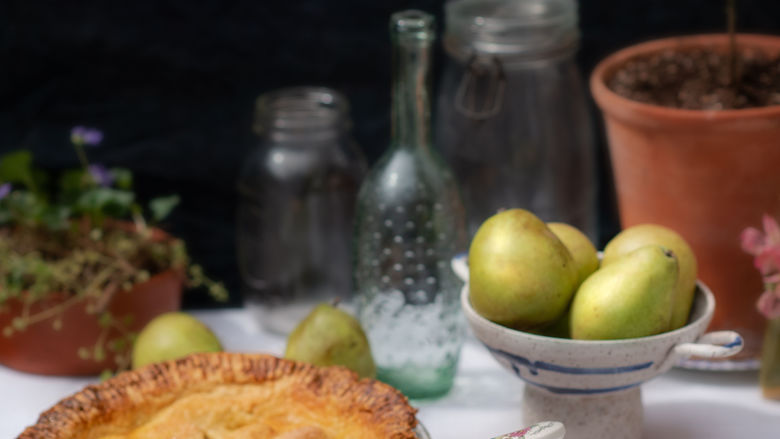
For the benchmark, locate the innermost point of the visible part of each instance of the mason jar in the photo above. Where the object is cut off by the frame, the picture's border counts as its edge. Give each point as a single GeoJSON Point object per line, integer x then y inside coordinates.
{"type": "Point", "coordinates": [297, 192]}
{"type": "Point", "coordinates": [512, 116]}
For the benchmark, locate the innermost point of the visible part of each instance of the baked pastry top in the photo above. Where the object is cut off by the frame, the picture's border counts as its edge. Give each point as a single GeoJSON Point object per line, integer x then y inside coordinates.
{"type": "Point", "coordinates": [230, 396]}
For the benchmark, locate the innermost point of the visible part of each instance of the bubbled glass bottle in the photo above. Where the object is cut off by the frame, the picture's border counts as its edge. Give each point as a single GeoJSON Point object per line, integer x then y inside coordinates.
{"type": "Point", "coordinates": [410, 223]}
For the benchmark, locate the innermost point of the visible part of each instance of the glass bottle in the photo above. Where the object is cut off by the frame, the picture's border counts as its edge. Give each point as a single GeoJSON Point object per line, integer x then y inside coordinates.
{"type": "Point", "coordinates": [769, 375]}
{"type": "Point", "coordinates": [410, 223]}
{"type": "Point", "coordinates": [297, 192]}
{"type": "Point", "coordinates": [513, 121]}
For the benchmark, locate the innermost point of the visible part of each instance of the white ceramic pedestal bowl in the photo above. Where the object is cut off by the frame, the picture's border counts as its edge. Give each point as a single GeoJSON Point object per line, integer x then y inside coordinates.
{"type": "Point", "coordinates": [593, 387]}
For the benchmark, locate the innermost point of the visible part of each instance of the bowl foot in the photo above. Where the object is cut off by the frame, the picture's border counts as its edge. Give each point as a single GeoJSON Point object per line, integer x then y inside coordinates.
{"type": "Point", "coordinates": [613, 415]}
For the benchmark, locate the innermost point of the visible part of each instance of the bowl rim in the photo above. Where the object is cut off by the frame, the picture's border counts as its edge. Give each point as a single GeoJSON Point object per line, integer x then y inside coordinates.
{"type": "Point", "coordinates": [701, 290]}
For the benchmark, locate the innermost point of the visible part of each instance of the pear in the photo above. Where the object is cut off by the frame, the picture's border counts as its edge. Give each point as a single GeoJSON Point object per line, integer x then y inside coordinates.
{"type": "Point", "coordinates": [520, 274]}
{"type": "Point", "coordinates": [631, 297]}
{"type": "Point", "coordinates": [586, 258]}
{"type": "Point", "coordinates": [170, 336]}
{"type": "Point", "coordinates": [558, 329]}
{"type": "Point", "coordinates": [329, 336]}
{"type": "Point", "coordinates": [645, 234]}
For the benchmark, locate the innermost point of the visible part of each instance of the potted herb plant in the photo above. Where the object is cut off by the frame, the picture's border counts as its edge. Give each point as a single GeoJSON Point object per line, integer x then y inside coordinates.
{"type": "Point", "coordinates": [84, 266]}
{"type": "Point", "coordinates": [693, 125]}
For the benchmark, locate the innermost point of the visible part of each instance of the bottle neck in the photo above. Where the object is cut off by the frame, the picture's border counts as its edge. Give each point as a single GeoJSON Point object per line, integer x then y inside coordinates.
{"type": "Point", "coordinates": [412, 35]}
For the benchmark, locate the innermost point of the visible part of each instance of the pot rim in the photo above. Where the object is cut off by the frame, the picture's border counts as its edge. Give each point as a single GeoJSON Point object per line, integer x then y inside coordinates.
{"type": "Point", "coordinates": [618, 106]}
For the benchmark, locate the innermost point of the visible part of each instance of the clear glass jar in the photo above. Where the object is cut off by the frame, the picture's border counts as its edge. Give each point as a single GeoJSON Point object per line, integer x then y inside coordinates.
{"type": "Point", "coordinates": [410, 223]}
{"type": "Point", "coordinates": [512, 117]}
{"type": "Point", "coordinates": [297, 193]}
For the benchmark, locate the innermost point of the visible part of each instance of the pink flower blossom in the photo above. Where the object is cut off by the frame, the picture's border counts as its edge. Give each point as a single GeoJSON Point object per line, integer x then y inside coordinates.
{"type": "Point", "coordinates": [765, 247]}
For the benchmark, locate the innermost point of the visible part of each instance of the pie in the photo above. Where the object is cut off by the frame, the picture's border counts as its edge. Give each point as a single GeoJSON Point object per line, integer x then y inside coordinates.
{"type": "Point", "coordinates": [230, 396]}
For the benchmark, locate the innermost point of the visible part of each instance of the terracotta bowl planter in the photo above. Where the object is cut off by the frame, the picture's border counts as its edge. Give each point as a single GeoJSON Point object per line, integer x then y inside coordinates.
{"type": "Point", "coordinates": [42, 349]}
{"type": "Point", "coordinates": [705, 174]}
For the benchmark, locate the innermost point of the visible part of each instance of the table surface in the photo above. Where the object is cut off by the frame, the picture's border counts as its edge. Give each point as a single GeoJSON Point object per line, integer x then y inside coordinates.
{"type": "Point", "coordinates": [484, 402]}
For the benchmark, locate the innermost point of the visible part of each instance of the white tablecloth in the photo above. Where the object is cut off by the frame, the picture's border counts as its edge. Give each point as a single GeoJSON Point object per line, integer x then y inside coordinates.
{"type": "Point", "coordinates": [484, 402]}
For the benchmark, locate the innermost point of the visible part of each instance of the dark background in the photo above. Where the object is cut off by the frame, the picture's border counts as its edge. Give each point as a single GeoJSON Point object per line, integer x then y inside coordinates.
{"type": "Point", "coordinates": [172, 84]}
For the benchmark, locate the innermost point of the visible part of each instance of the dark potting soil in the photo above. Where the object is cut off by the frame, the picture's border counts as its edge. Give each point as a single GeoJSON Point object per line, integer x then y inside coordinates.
{"type": "Point", "coordinates": [699, 79]}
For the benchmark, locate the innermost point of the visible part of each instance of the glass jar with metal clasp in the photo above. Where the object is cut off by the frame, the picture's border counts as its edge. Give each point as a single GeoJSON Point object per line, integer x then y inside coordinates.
{"type": "Point", "coordinates": [512, 117]}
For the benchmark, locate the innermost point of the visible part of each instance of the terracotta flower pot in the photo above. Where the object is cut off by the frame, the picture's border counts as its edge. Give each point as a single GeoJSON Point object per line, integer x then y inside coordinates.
{"type": "Point", "coordinates": [705, 174]}
{"type": "Point", "coordinates": [42, 349]}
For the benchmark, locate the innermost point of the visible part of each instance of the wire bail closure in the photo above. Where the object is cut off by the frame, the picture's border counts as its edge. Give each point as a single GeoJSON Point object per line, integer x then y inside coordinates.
{"type": "Point", "coordinates": [480, 93]}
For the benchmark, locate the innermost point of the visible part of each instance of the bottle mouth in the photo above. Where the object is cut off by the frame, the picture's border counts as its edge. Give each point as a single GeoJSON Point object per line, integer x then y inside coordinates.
{"type": "Point", "coordinates": [413, 25]}
{"type": "Point", "coordinates": [300, 109]}
{"type": "Point", "coordinates": [523, 28]}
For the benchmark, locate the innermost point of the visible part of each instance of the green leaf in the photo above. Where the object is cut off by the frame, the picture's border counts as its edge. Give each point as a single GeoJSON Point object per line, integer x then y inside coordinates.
{"type": "Point", "coordinates": [26, 207]}
{"type": "Point", "coordinates": [104, 321]}
{"type": "Point", "coordinates": [5, 214]}
{"type": "Point", "coordinates": [56, 217]}
{"type": "Point", "coordinates": [114, 202]}
{"type": "Point", "coordinates": [16, 167]}
{"type": "Point", "coordinates": [98, 353]}
{"type": "Point", "coordinates": [41, 179]}
{"type": "Point", "coordinates": [117, 345]}
{"type": "Point", "coordinates": [123, 178]}
{"type": "Point", "coordinates": [72, 184]}
{"type": "Point", "coordinates": [161, 207]}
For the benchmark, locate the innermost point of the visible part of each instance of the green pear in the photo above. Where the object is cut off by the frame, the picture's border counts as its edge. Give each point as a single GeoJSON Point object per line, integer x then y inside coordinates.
{"type": "Point", "coordinates": [559, 328]}
{"type": "Point", "coordinates": [586, 258]}
{"type": "Point", "coordinates": [170, 336]}
{"type": "Point", "coordinates": [641, 235]}
{"type": "Point", "coordinates": [329, 336]}
{"type": "Point", "coordinates": [631, 297]}
{"type": "Point", "coordinates": [520, 274]}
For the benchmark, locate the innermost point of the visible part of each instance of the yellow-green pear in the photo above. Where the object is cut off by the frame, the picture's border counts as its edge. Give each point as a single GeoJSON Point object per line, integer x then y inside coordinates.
{"type": "Point", "coordinates": [559, 328]}
{"type": "Point", "coordinates": [170, 336]}
{"type": "Point", "coordinates": [329, 336]}
{"type": "Point", "coordinates": [631, 297]}
{"type": "Point", "coordinates": [586, 258]}
{"type": "Point", "coordinates": [641, 235]}
{"type": "Point", "coordinates": [520, 274]}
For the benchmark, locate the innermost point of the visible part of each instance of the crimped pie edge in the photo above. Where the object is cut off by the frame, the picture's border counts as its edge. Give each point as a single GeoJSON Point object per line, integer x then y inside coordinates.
{"type": "Point", "coordinates": [149, 388]}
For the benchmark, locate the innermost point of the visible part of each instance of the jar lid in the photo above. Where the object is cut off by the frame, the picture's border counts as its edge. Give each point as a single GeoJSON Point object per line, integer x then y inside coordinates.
{"type": "Point", "coordinates": [300, 111]}
{"type": "Point", "coordinates": [522, 30]}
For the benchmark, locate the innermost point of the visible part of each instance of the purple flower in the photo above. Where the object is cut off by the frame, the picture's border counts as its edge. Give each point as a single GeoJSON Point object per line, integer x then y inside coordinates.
{"type": "Point", "coordinates": [101, 175]}
{"type": "Point", "coordinates": [5, 189]}
{"type": "Point", "coordinates": [86, 136]}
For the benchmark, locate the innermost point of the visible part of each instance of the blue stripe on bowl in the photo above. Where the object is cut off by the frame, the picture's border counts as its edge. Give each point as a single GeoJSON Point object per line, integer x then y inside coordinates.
{"type": "Point", "coordinates": [535, 366]}
{"type": "Point", "coordinates": [736, 342]}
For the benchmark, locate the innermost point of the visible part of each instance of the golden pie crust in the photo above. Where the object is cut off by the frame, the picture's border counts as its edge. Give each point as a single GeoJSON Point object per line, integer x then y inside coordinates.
{"type": "Point", "coordinates": [230, 396]}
